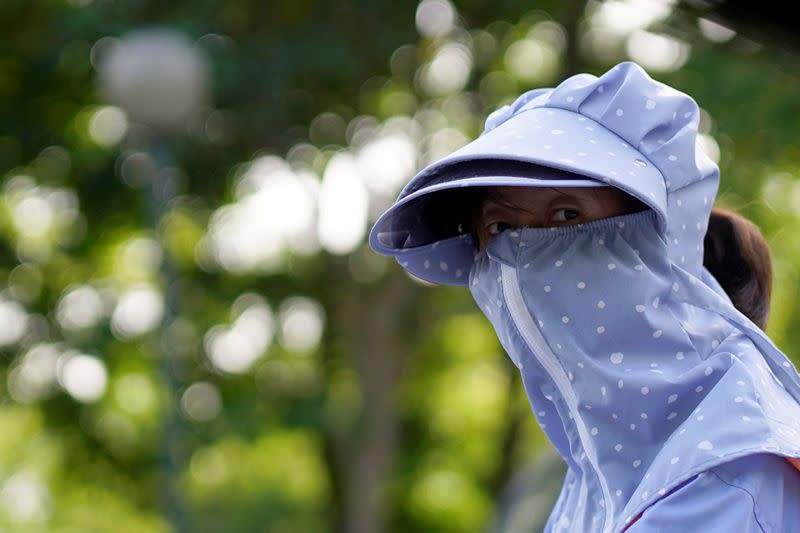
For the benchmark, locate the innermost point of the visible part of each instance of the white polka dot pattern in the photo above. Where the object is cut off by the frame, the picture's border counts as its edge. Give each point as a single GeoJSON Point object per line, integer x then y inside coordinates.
{"type": "Point", "coordinates": [628, 347]}
{"type": "Point", "coordinates": [622, 128]}
{"type": "Point", "coordinates": [638, 365]}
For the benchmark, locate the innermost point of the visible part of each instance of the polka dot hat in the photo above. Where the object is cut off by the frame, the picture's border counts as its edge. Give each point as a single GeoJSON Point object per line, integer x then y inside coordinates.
{"type": "Point", "coordinates": [620, 129]}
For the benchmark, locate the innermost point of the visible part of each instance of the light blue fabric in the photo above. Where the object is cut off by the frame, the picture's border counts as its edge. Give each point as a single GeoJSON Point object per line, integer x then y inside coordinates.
{"type": "Point", "coordinates": [638, 372]}
{"type": "Point", "coordinates": [638, 368]}
{"type": "Point", "coordinates": [622, 128]}
{"type": "Point", "coordinates": [757, 493]}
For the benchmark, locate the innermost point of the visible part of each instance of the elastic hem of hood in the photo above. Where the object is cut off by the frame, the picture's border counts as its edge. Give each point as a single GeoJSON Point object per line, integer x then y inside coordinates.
{"type": "Point", "coordinates": [643, 216]}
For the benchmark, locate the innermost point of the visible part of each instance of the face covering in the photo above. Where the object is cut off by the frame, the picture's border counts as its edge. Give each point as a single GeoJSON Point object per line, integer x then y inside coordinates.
{"type": "Point", "coordinates": [637, 365]}
{"type": "Point", "coordinates": [640, 373]}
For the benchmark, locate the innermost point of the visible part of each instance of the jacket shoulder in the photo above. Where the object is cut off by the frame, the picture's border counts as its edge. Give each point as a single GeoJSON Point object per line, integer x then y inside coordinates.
{"type": "Point", "coordinates": [752, 494]}
{"type": "Point", "coordinates": [772, 483]}
{"type": "Point", "coordinates": [702, 503]}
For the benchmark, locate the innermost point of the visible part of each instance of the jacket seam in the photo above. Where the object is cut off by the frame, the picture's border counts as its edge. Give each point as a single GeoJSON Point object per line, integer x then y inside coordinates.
{"type": "Point", "coordinates": [752, 498]}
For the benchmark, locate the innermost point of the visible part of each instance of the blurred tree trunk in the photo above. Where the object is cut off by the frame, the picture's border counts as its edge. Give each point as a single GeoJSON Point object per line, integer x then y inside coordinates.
{"type": "Point", "coordinates": [370, 321]}
{"type": "Point", "coordinates": [380, 360]}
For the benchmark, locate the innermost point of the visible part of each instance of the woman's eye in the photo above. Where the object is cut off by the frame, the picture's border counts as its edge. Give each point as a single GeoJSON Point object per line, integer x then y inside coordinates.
{"type": "Point", "coordinates": [566, 214]}
{"type": "Point", "coordinates": [497, 227]}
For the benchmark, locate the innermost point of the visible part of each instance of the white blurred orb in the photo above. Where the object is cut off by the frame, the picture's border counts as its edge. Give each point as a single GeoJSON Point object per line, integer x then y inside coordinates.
{"type": "Point", "coordinates": [386, 163]}
{"type": "Point", "coordinates": [201, 401]}
{"type": "Point", "coordinates": [302, 321]}
{"type": "Point", "coordinates": [343, 205]}
{"type": "Point", "coordinates": [108, 126]}
{"type": "Point", "coordinates": [435, 18]}
{"type": "Point", "coordinates": [35, 377]}
{"type": "Point", "coordinates": [33, 216]}
{"type": "Point", "coordinates": [714, 31]}
{"type": "Point", "coordinates": [230, 350]}
{"type": "Point", "coordinates": [24, 497]}
{"type": "Point", "coordinates": [13, 322]}
{"type": "Point", "coordinates": [236, 348]}
{"type": "Point", "coordinates": [139, 310]}
{"type": "Point", "coordinates": [448, 71]}
{"type": "Point", "coordinates": [81, 307]}
{"type": "Point", "coordinates": [531, 60]}
{"type": "Point", "coordinates": [657, 52]}
{"type": "Point", "coordinates": [275, 211]}
{"type": "Point", "coordinates": [157, 76]}
{"type": "Point", "coordinates": [83, 376]}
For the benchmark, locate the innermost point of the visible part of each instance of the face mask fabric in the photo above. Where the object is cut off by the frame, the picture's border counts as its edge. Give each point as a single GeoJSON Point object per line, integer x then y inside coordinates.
{"type": "Point", "coordinates": [626, 368]}
{"type": "Point", "coordinates": [637, 365]}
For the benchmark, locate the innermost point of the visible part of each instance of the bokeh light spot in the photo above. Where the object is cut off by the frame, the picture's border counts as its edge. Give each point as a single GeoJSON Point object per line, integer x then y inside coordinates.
{"type": "Point", "coordinates": [138, 311]}
{"type": "Point", "coordinates": [657, 52]}
{"type": "Point", "coordinates": [108, 126]}
{"type": "Point", "coordinates": [234, 349]}
{"type": "Point", "coordinates": [343, 205]}
{"type": "Point", "coordinates": [301, 323]}
{"type": "Point", "coordinates": [25, 498]}
{"type": "Point", "coordinates": [81, 307]}
{"type": "Point", "coordinates": [34, 377]}
{"type": "Point", "coordinates": [201, 401]}
{"type": "Point", "coordinates": [83, 376]}
{"type": "Point", "coordinates": [13, 321]}
{"type": "Point", "coordinates": [435, 18]}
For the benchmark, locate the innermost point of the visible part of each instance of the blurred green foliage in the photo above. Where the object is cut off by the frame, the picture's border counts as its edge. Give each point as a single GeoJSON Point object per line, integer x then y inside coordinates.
{"type": "Point", "coordinates": [371, 401]}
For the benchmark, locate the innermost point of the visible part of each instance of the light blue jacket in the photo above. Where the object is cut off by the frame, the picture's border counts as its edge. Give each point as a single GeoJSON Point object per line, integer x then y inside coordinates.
{"type": "Point", "coordinates": [757, 493]}
{"type": "Point", "coordinates": [672, 410]}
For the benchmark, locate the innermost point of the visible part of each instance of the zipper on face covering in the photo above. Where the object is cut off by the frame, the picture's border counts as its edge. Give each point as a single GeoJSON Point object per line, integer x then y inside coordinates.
{"type": "Point", "coordinates": [538, 346]}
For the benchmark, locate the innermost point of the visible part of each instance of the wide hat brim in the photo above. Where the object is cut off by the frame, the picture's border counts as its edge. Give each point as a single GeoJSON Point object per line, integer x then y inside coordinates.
{"type": "Point", "coordinates": [560, 140]}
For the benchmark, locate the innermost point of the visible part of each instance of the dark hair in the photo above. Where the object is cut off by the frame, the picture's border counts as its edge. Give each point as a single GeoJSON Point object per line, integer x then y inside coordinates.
{"type": "Point", "coordinates": [738, 256]}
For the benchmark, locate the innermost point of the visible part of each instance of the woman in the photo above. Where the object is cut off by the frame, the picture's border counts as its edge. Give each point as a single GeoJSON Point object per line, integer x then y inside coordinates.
{"type": "Point", "coordinates": [578, 221]}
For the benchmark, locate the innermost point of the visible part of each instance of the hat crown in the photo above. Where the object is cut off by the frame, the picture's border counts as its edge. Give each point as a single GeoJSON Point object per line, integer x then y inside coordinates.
{"type": "Point", "coordinates": [622, 128]}
{"type": "Point", "coordinates": [656, 119]}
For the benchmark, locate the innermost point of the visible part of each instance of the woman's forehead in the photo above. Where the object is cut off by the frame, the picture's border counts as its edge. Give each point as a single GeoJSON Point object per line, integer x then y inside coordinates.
{"type": "Point", "coordinates": [536, 194]}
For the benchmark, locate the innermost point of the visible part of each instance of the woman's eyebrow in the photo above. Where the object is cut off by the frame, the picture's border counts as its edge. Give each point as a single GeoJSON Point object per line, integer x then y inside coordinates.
{"type": "Point", "coordinates": [502, 203]}
{"type": "Point", "coordinates": [571, 194]}
{"type": "Point", "coordinates": [552, 195]}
